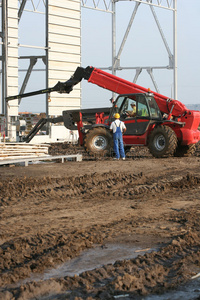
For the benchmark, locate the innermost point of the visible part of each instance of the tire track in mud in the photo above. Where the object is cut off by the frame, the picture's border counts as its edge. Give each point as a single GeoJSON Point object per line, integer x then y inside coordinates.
{"type": "Point", "coordinates": [89, 186]}
{"type": "Point", "coordinates": [21, 256]}
{"type": "Point", "coordinates": [153, 272]}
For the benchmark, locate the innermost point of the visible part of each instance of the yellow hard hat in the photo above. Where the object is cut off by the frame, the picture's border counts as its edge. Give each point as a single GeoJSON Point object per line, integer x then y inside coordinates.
{"type": "Point", "coordinates": [117, 116]}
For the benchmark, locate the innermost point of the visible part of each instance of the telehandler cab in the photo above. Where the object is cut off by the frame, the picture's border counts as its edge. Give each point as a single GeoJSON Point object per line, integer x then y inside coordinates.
{"type": "Point", "coordinates": [164, 125]}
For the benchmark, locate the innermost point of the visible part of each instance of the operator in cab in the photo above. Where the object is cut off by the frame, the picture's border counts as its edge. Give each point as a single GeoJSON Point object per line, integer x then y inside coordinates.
{"type": "Point", "coordinates": [132, 113]}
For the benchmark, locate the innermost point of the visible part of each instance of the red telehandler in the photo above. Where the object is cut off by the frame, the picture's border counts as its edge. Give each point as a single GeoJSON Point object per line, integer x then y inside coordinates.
{"type": "Point", "coordinates": [164, 125]}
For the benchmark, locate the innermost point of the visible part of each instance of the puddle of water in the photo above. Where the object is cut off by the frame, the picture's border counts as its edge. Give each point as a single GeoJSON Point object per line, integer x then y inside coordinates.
{"type": "Point", "coordinates": [91, 259]}
{"type": "Point", "coordinates": [189, 291]}
{"type": "Point", "coordinates": [94, 258]}
{"type": "Point", "coordinates": [109, 254]}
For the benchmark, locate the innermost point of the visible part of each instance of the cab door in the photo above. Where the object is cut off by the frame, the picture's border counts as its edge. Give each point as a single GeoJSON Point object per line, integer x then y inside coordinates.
{"type": "Point", "coordinates": [137, 123]}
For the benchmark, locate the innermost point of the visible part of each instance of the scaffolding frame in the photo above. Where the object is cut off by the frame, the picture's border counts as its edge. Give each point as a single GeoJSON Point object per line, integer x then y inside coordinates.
{"type": "Point", "coordinates": [110, 6]}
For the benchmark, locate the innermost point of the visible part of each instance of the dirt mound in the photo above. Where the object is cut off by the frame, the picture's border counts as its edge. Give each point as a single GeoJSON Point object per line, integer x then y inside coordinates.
{"type": "Point", "coordinates": [153, 272]}
{"type": "Point", "coordinates": [66, 148]}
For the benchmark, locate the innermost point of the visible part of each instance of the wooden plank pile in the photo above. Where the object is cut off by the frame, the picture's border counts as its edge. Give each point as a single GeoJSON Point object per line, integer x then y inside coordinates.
{"type": "Point", "coordinates": [22, 150]}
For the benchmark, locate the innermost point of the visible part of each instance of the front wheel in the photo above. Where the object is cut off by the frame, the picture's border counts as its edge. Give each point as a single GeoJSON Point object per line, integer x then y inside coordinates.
{"type": "Point", "coordinates": [98, 141]}
{"type": "Point", "coordinates": [162, 141]}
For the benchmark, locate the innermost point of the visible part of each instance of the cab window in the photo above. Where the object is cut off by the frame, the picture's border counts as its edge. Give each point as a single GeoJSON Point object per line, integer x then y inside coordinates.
{"type": "Point", "coordinates": [131, 106]}
{"type": "Point", "coordinates": [142, 107]}
{"type": "Point", "coordinates": [155, 111]}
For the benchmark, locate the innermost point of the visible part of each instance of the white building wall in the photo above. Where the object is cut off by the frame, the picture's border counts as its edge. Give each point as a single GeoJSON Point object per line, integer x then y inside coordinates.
{"type": "Point", "coordinates": [12, 61]}
{"type": "Point", "coordinates": [64, 56]}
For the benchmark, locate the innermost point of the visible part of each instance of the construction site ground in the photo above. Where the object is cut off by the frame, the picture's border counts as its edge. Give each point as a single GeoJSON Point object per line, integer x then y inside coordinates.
{"type": "Point", "coordinates": [101, 229]}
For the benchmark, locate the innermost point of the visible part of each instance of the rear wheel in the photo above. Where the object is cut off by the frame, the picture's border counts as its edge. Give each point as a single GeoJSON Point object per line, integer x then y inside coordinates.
{"type": "Point", "coordinates": [127, 148]}
{"type": "Point", "coordinates": [185, 150]}
{"type": "Point", "coordinates": [98, 141]}
{"type": "Point", "coordinates": [162, 141]}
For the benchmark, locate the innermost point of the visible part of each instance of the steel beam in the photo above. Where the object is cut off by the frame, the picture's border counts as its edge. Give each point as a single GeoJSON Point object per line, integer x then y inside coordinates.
{"type": "Point", "coordinates": [20, 11]}
{"type": "Point", "coordinates": [28, 74]}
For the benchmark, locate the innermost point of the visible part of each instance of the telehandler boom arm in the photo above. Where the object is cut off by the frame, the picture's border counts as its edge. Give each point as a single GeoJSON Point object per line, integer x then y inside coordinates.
{"type": "Point", "coordinates": [110, 82]}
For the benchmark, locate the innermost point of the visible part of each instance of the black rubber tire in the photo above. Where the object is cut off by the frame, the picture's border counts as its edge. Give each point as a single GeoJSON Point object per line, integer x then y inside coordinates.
{"type": "Point", "coordinates": [162, 141]}
{"type": "Point", "coordinates": [99, 141]}
{"type": "Point", "coordinates": [127, 149]}
{"type": "Point", "coordinates": [185, 150]}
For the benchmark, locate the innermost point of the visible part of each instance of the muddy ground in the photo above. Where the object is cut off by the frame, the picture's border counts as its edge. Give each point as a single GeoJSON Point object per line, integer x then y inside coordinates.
{"type": "Point", "coordinates": [50, 213]}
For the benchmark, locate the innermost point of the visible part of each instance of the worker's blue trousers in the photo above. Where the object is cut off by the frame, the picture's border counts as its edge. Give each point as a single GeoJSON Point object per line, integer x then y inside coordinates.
{"type": "Point", "coordinates": [118, 144]}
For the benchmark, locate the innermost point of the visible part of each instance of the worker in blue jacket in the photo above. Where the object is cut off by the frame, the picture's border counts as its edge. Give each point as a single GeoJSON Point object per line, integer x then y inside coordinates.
{"type": "Point", "coordinates": [118, 128]}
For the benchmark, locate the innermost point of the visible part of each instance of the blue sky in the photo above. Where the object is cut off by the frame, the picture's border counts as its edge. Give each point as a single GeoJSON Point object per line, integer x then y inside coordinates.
{"type": "Point", "coordinates": [144, 47]}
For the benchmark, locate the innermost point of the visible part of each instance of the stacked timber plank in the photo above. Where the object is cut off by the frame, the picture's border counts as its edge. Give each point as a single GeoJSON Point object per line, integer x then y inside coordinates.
{"type": "Point", "coordinates": [22, 150]}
